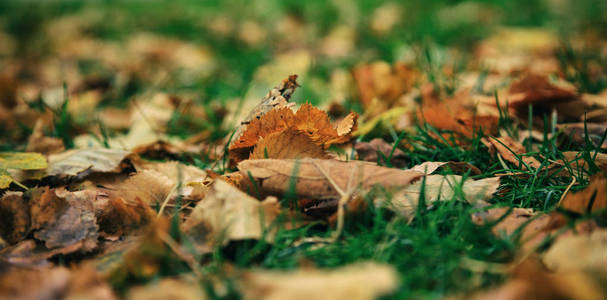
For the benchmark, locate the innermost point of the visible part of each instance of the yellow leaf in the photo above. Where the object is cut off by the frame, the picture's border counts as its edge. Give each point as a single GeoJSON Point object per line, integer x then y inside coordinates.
{"type": "Point", "coordinates": [5, 179]}
{"type": "Point", "coordinates": [22, 161]}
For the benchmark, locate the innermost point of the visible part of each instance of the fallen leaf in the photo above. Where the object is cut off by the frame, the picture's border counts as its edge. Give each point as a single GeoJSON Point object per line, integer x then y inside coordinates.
{"type": "Point", "coordinates": [546, 96]}
{"type": "Point", "coordinates": [308, 120]}
{"type": "Point", "coordinates": [72, 222]}
{"type": "Point", "coordinates": [583, 252]}
{"type": "Point", "coordinates": [119, 217]}
{"type": "Point", "coordinates": [227, 214]}
{"type": "Point", "coordinates": [14, 217]}
{"type": "Point", "coordinates": [452, 114]}
{"type": "Point", "coordinates": [529, 280]}
{"type": "Point", "coordinates": [83, 162]}
{"type": "Point", "coordinates": [18, 161]}
{"type": "Point", "coordinates": [316, 124]}
{"type": "Point", "coordinates": [369, 151]}
{"type": "Point", "coordinates": [54, 282]}
{"type": "Point", "coordinates": [276, 120]}
{"type": "Point", "coordinates": [357, 282]}
{"type": "Point", "coordinates": [381, 80]}
{"type": "Point", "coordinates": [287, 144]}
{"type": "Point", "coordinates": [312, 178]}
{"type": "Point", "coordinates": [457, 167]}
{"type": "Point", "coordinates": [277, 98]}
{"type": "Point", "coordinates": [182, 288]}
{"type": "Point", "coordinates": [46, 283]}
{"type": "Point", "coordinates": [591, 199]}
{"type": "Point", "coordinates": [512, 151]}
{"type": "Point", "coordinates": [576, 133]}
{"type": "Point", "coordinates": [440, 188]}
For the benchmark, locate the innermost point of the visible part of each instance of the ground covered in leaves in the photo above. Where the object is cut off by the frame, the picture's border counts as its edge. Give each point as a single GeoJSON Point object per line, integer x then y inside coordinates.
{"type": "Point", "coordinates": [317, 150]}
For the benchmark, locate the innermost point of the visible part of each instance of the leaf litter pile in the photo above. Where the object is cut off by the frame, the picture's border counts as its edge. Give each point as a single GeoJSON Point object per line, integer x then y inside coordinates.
{"type": "Point", "coordinates": [403, 179]}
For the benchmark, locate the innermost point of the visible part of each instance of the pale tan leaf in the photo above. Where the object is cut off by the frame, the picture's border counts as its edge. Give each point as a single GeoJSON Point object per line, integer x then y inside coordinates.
{"type": "Point", "coordinates": [442, 188]}
{"type": "Point", "coordinates": [226, 214]}
{"type": "Point", "coordinates": [312, 177]}
{"type": "Point", "coordinates": [578, 252]}
{"type": "Point", "coordinates": [75, 162]}
{"type": "Point", "coordinates": [169, 288]}
{"type": "Point", "coordinates": [362, 281]}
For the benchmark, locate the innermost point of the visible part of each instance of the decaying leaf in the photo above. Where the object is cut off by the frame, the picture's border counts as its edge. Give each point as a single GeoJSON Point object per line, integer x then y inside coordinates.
{"type": "Point", "coordinates": [576, 132]}
{"type": "Point", "coordinates": [119, 217]}
{"type": "Point", "coordinates": [86, 161]}
{"type": "Point", "coordinates": [441, 188]}
{"type": "Point", "coordinates": [287, 144]}
{"type": "Point", "coordinates": [311, 178]}
{"type": "Point", "coordinates": [227, 213]}
{"type": "Point", "coordinates": [14, 217]}
{"type": "Point", "coordinates": [513, 152]}
{"type": "Point", "coordinates": [72, 222]}
{"type": "Point", "coordinates": [362, 281]}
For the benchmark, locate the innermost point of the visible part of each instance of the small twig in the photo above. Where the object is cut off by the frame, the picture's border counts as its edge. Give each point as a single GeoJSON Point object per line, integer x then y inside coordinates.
{"type": "Point", "coordinates": [167, 198]}
{"type": "Point", "coordinates": [566, 191]}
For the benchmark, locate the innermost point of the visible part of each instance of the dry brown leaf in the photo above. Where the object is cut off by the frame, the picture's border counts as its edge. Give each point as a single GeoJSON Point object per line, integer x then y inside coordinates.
{"type": "Point", "coordinates": [226, 214]}
{"type": "Point", "coordinates": [362, 281]}
{"type": "Point", "coordinates": [287, 144]}
{"type": "Point", "coordinates": [118, 217]}
{"type": "Point", "coordinates": [576, 133]}
{"type": "Point", "coordinates": [546, 96]}
{"type": "Point", "coordinates": [458, 167]}
{"type": "Point", "coordinates": [509, 149]}
{"type": "Point", "coordinates": [368, 151]}
{"type": "Point", "coordinates": [591, 199]}
{"type": "Point", "coordinates": [72, 222]}
{"type": "Point", "coordinates": [441, 188]}
{"type": "Point", "coordinates": [14, 217]}
{"type": "Point", "coordinates": [452, 114]}
{"type": "Point", "coordinates": [539, 88]}
{"type": "Point", "coordinates": [274, 176]}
